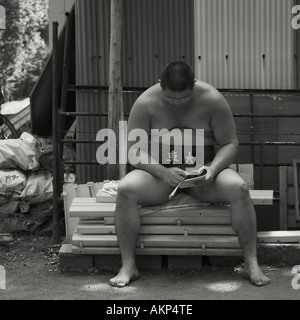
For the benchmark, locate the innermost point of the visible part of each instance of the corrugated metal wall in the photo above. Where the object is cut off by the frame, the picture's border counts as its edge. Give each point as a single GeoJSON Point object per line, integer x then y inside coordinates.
{"type": "Point", "coordinates": [155, 32]}
{"type": "Point", "coordinates": [245, 44]}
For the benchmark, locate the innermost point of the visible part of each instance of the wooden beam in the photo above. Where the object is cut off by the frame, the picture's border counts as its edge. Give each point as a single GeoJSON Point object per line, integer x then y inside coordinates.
{"type": "Point", "coordinates": [98, 228]}
{"type": "Point", "coordinates": [283, 219]}
{"type": "Point", "coordinates": [55, 106]}
{"type": "Point", "coordinates": [279, 236]}
{"type": "Point", "coordinates": [160, 251]}
{"type": "Point", "coordinates": [296, 189]}
{"type": "Point", "coordinates": [297, 53]}
{"type": "Point", "coordinates": [115, 95]}
{"type": "Point", "coordinates": [166, 241]}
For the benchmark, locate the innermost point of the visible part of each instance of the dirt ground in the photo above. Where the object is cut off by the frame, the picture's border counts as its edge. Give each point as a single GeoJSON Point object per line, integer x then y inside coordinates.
{"type": "Point", "coordinates": [32, 273]}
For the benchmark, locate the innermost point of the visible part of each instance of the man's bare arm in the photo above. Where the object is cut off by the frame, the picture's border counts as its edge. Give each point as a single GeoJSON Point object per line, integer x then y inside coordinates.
{"type": "Point", "coordinates": [224, 129]}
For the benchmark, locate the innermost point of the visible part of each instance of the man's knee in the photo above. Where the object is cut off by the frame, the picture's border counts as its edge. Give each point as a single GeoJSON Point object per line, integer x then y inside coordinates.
{"type": "Point", "coordinates": [126, 192]}
{"type": "Point", "coordinates": [240, 192]}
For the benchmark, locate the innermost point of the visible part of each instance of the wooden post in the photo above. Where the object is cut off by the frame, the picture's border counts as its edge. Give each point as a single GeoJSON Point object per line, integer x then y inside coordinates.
{"type": "Point", "coordinates": [283, 193]}
{"type": "Point", "coordinates": [55, 104]}
{"type": "Point", "coordinates": [115, 100]}
{"type": "Point", "coordinates": [297, 53]}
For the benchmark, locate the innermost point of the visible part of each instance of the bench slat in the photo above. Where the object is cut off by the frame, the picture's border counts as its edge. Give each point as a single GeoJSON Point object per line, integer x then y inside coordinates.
{"type": "Point", "coordinates": [279, 236]}
{"type": "Point", "coordinates": [177, 220]}
{"type": "Point", "coordinates": [158, 229]}
{"type": "Point", "coordinates": [180, 241]}
{"type": "Point", "coordinates": [160, 251]}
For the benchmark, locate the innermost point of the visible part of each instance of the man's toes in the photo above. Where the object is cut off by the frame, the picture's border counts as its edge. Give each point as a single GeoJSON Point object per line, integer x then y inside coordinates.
{"type": "Point", "coordinates": [118, 283]}
{"type": "Point", "coordinates": [261, 281]}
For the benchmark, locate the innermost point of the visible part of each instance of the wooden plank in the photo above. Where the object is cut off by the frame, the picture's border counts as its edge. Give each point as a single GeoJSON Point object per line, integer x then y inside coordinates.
{"type": "Point", "coordinates": [291, 197]}
{"type": "Point", "coordinates": [115, 95]}
{"type": "Point", "coordinates": [158, 229]}
{"type": "Point", "coordinates": [177, 221]}
{"type": "Point", "coordinates": [181, 241]}
{"type": "Point", "coordinates": [160, 251]}
{"type": "Point", "coordinates": [283, 220]}
{"type": "Point", "coordinates": [93, 228]}
{"type": "Point", "coordinates": [288, 153]}
{"type": "Point", "coordinates": [280, 104]}
{"type": "Point", "coordinates": [261, 197]}
{"type": "Point", "coordinates": [89, 209]}
{"type": "Point", "coordinates": [291, 218]}
{"type": "Point", "coordinates": [239, 102]}
{"type": "Point", "coordinates": [69, 194]}
{"type": "Point", "coordinates": [83, 200]}
{"type": "Point", "coordinates": [188, 211]}
{"type": "Point", "coordinates": [290, 175]}
{"type": "Point", "coordinates": [296, 190]}
{"type": "Point", "coordinates": [103, 196]}
{"type": "Point", "coordinates": [91, 221]}
{"type": "Point", "coordinates": [279, 236]}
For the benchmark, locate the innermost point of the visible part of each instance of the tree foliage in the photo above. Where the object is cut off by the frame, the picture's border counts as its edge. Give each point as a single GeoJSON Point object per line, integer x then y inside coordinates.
{"type": "Point", "coordinates": [23, 46]}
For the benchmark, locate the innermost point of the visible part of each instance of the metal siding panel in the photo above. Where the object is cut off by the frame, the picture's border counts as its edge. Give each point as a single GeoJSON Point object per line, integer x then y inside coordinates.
{"type": "Point", "coordinates": [245, 30]}
{"type": "Point", "coordinates": [152, 37]}
{"type": "Point", "coordinates": [92, 58]}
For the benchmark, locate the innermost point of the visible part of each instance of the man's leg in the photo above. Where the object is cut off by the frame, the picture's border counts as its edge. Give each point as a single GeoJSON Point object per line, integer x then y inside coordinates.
{"type": "Point", "coordinates": [137, 187]}
{"type": "Point", "coordinates": [229, 187]}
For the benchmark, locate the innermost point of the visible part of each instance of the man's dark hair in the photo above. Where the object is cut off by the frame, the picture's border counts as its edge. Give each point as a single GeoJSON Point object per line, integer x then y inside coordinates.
{"type": "Point", "coordinates": [177, 76]}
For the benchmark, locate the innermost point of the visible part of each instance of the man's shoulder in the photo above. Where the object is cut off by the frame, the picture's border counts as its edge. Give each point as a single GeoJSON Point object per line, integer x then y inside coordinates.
{"type": "Point", "coordinates": [206, 90]}
{"type": "Point", "coordinates": [209, 94]}
{"type": "Point", "coordinates": [149, 95]}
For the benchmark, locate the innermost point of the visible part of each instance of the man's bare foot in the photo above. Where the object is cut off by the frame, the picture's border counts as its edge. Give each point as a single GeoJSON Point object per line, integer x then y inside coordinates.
{"type": "Point", "coordinates": [256, 276]}
{"type": "Point", "coordinates": [125, 275]}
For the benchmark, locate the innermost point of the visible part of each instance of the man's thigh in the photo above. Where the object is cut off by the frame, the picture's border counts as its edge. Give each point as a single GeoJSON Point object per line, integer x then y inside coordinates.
{"type": "Point", "coordinates": [221, 189]}
{"type": "Point", "coordinates": [148, 189]}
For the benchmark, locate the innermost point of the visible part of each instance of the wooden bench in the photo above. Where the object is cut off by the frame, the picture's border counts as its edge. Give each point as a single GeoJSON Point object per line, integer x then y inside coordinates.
{"type": "Point", "coordinates": [174, 237]}
{"type": "Point", "coordinates": [189, 230]}
{"type": "Point", "coordinates": [170, 231]}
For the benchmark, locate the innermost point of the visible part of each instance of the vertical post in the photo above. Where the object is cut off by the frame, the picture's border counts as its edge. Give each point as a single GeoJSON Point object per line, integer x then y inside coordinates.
{"type": "Point", "coordinates": [297, 53]}
{"type": "Point", "coordinates": [283, 194]}
{"type": "Point", "coordinates": [115, 99]}
{"type": "Point", "coordinates": [63, 101]}
{"type": "Point", "coordinates": [66, 63]}
{"type": "Point", "coordinates": [55, 231]}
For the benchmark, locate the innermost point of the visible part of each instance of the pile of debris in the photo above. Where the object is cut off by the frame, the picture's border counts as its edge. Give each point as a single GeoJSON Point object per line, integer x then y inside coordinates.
{"type": "Point", "coordinates": [26, 183]}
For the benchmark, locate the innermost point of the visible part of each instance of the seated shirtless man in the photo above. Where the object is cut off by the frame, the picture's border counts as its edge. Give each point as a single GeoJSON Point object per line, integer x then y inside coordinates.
{"type": "Point", "coordinates": [180, 101]}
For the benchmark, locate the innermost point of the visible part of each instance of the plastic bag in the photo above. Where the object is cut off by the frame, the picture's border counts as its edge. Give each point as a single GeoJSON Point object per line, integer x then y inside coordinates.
{"type": "Point", "coordinates": [39, 187]}
{"type": "Point", "coordinates": [19, 153]}
{"type": "Point", "coordinates": [11, 181]}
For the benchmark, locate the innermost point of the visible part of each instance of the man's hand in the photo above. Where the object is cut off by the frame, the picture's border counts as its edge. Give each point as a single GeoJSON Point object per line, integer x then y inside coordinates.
{"type": "Point", "coordinates": [209, 177]}
{"type": "Point", "coordinates": [173, 176]}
